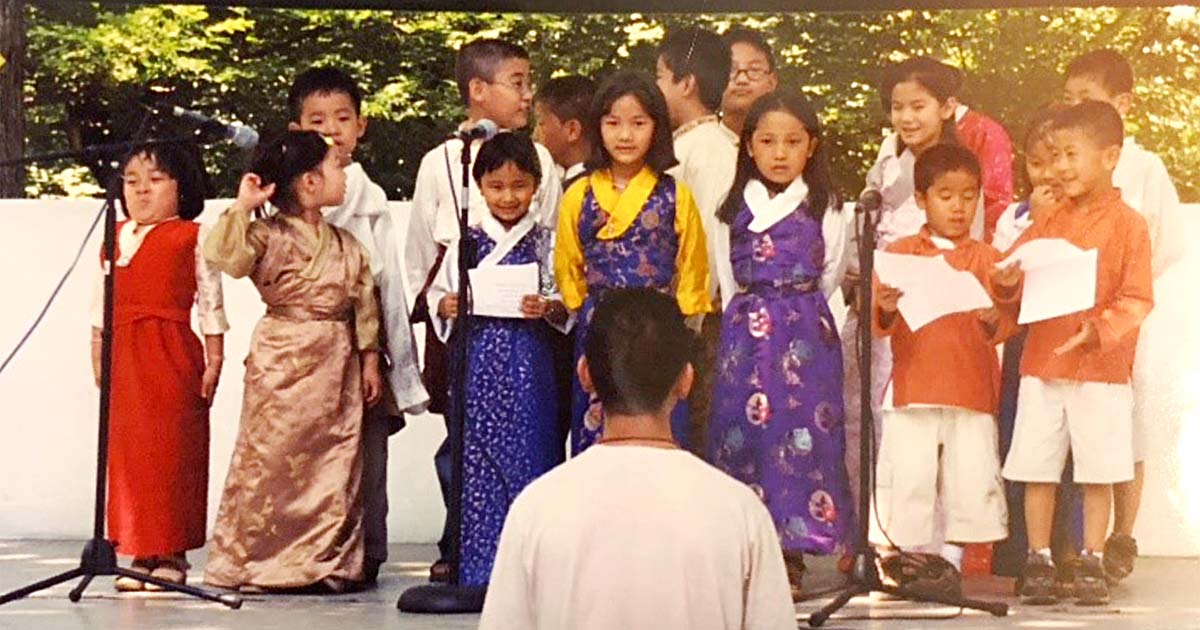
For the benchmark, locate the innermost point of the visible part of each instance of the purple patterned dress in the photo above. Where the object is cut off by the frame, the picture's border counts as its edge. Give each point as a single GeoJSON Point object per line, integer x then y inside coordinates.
{"type": "Point", "coordinates": [777, 409]}
{"type": "Point", "coordinates": [644, 256]}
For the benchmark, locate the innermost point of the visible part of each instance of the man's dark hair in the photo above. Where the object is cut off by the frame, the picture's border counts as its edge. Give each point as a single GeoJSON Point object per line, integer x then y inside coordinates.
{"type": "Point", "coordinates": [1099, 121]}
{"type": "Point", "coordinates": [504, 148]}
{"type": "Point", "coordinates": [480, 59]}
{"type": "Point", "coordinates": [568, 98]}
{"type": "Point", "coordinates": [941, 159]}
{"type": "Point", "coordinates": [322, 81]}
{"type": "Point", "coordinates": [702, 54]}
{"type": "Point", "coordinates": [753, 38]}
{"type": "Point", "coordinates": [1107, 67]}
{"type": "Point", "coordinates": [636, 347]}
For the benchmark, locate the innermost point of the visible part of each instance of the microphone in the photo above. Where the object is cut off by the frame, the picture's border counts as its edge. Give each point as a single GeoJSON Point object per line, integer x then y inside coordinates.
{"type": "Point", "coordinates": [241, 135]}
{"type": "Point", "coordinates": [483, 129]}
{"type": "Point", "coordinates": [869, 201]}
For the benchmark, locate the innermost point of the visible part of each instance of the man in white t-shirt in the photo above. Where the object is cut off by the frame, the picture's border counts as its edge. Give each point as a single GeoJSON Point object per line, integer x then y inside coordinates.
{"type": "Point", "coordinates": [636, 532]}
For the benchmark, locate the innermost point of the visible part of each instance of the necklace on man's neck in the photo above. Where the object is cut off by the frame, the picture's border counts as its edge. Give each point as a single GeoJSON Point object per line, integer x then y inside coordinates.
{"type": "Point", "coordinates": [668, 443]}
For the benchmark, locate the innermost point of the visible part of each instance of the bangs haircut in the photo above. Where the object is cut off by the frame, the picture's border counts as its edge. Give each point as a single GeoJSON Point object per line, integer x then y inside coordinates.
{"type": "Point", "coordinates": [636, 347]}
{"type": "Point", "coordinates": [1107, 67]}
{"type": "Point", "coordinates": [702, 54]}
{"type": "Point", "coordinates": [941, 159]}
{"type": "Point", "coordinates": [661, 155]}
{"type": "Point", "coordinates": [481, 59]}
{"type": "Point", "coordinates": [181, 163]}
{"type": "Point", "coordinates": [1099, 121]}
{"type": "Point", "coordinates": [322, 81]}
{"type": "Point", "coordinates": [753, 39]}
{"type": "Point", "coordinates": [504, 148]}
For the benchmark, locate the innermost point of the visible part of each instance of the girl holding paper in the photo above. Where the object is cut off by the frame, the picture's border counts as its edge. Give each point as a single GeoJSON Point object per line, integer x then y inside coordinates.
{"type": "Point", "coordinates": [510, 424]}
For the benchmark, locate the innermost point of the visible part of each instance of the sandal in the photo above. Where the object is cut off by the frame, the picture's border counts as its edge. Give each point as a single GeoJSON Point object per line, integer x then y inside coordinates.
{"type": "Point", "coordinates": [126, 584]}
{"type": "Point", "coordinates": [171, 569]}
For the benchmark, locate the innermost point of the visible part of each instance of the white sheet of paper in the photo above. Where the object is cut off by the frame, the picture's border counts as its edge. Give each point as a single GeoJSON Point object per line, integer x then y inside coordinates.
{"type": "Point", "coordinates": [1041, 252]}
{"type": "Point", "coordinates": [497, 291]}
{"type": "Point", "coordinates": [1059, 288]}
{"type": "Point", "coordinates": [931, 288]}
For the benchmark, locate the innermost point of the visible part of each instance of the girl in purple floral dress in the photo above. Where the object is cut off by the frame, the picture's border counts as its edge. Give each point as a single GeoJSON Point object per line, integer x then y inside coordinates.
{"type": "Point", "coordinates": [777, 421]}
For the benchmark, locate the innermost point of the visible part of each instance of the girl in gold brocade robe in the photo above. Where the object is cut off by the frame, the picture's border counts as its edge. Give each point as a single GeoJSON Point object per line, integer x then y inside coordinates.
{"type": "Point", "coordinates": [291, 514]}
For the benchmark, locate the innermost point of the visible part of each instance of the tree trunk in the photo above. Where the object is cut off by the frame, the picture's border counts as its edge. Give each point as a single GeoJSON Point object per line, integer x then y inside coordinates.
{"type": "Point", "coordinates": [12, 97]}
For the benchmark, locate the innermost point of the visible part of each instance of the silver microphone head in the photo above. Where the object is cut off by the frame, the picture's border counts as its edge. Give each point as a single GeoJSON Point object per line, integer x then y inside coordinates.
{"type": "Point", "coordinates": [869, 201]}
{"type": "Point", "coordinates": [244, 137]}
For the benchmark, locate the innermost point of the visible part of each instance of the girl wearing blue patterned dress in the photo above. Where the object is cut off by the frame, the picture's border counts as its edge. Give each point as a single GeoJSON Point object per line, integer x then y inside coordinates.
{"type": "Point", "coordinates": [511, 415]}
{"type": "Point", "coordinates": [777, 408]}
{"type": "Point", "coordinates": [628, 224]}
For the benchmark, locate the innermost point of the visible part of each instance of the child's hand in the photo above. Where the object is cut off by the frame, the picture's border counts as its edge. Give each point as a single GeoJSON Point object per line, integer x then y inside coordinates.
{"type": "Point", "coordinates": [533, 306]}
{"type": "Point", "coordinates": [372, 382]}
{"type": "Point", "coordinates": [989, 317]}
{"type": "Point", "coordinates": [1042, 200]}
{"type": "Point", "coordinates": [208, 383]}
{"type": "Point", "coordinates": [448, 306]}
{"type": "Point", "coordinates": [251, 193]}
{"type": "Point", "coordinates": [1008, 277]}
{"type": "Point", "coordinates": [1087, 337]}
{"type": "Point", "coordinates": [887, 298]}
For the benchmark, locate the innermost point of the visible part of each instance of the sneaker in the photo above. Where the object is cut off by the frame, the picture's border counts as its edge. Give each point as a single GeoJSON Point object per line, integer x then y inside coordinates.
{"type": "Point", "coordinates": [923, 575]}
{"type": "Point", "coordinates": [1037, 581]}
{"type": "Point", "coordinates": [1091, 587]}
{"type": "Point", "coordinates": [1120, 551]}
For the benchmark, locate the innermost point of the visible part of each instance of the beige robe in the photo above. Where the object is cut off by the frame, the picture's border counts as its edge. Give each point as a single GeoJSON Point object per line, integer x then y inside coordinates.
{"type": "Point", "coordinates": [291, 513]}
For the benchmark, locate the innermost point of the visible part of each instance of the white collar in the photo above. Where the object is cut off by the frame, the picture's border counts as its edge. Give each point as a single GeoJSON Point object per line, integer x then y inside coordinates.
{"type": "Point", "coordinates": [573, 170]}
{"type": "Point", "coordinates": [768, 210]}
{"type": "Point", "coordinates": [505, 239]}
{"type": "Point", "coordinates": [942, 243]}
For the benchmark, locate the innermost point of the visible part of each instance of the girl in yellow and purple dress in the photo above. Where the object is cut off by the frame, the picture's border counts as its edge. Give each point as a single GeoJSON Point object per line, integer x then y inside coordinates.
{"type": "Point", "coordinates": [628, 224]}
{"type": "Point", "coordinates": [777, 409]}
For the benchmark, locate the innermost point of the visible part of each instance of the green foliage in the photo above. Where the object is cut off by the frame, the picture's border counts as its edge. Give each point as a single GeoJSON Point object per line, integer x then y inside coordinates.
{"type": "Point", "coordinates": [93, 65]}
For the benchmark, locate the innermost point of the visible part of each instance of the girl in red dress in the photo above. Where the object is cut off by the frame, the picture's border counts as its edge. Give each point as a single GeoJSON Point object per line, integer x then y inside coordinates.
{"type": "Point", "coordinates": [163, 377]}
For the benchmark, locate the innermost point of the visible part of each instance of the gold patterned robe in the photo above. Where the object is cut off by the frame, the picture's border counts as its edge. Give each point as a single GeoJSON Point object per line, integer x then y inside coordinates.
{"type": "Point", "coordinates": [291, 513]}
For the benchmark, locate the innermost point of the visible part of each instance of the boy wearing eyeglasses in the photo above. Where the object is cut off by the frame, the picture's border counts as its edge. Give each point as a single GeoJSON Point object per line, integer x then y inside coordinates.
{"type": "Point", "coordinates": [751, 75]}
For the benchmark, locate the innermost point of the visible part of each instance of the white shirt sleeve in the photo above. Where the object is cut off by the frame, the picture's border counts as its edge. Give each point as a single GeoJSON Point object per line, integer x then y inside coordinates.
{"type": "Point", "coordinates": [444, 283]}
{"type": "Point", "coordinates": [549, 193]}
{"type": "Point", "coordinates": [1161, 208]}
{"type": "Point", "coordinates": [420, 251]}
{"type": "Point", "coordinates": [768, 596]}
{"type": "Point", "coordinates": [210, 297]}
{"type": "Point", "coordinates": [511, 602]}
{"type": "Point", "coordinates": [836, 230]}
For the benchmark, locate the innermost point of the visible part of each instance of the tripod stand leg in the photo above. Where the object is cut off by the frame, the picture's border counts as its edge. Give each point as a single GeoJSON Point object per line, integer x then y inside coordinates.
{"type": "Point", "coordinates": [77, 593]}
{"type": "Point", "coordinates": [44, 584]}
{"type": "Point", "coordinates": [998, 609]}
{"type": "Point", "coordinates": [818, 619]}
{"type": "Point", "coordinates": [231, 600]}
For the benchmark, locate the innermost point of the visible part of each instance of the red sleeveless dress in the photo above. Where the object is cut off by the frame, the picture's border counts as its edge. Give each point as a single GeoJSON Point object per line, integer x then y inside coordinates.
{"type": "Point", "coordinates": [158, 447]}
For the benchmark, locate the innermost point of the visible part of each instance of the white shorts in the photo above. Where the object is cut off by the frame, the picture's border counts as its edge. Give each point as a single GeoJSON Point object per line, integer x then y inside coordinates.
{"type": "Point", "coordinates": [1093, 421]}
{"type": "Point", "coordinates": [927, 453]}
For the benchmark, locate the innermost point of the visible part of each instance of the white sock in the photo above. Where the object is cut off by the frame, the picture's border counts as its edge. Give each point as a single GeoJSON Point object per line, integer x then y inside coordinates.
{"type": "Point", "coordinates": [953, 554]}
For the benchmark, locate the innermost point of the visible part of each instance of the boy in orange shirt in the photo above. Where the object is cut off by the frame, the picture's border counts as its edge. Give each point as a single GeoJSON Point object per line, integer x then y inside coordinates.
{"type": "Point", "coordinates": [1076, 369]}
{"type": "Point", "coordinates": [940, 439]}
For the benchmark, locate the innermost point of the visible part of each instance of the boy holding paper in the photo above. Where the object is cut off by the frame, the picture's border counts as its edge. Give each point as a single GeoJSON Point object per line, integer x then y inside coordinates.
{"type": "Point", "coordinates": [939, 440]}
{"type": "Point", "coordinates": [511, 414]}
{"type": "Point", "coordinates": [1075, 372]}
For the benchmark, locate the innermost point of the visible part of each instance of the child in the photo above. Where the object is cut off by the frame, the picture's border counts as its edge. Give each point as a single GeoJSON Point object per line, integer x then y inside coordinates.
{"type": "Point", "coordinates": [939, 438]}
{"type": "Point", "coordinates": [777, 422]}
{"type": "Point", "coordinates": [496, 83]}
{"type": "Point", "coordinates": [692, 72]}
{"type": "Point", "coordinates": [628, 224]}
{"type": "Point", "coordinates": [328, 101]}
{"type": "Point", "coordinates": [1104, 75]}
{"type": "Point", "coordinates": [751, 75]}
{"type": "Point", "coordinates": [510, 425]}
{"type": "Point", "coordinates": [1075, 370]}
{"type": "Point", "coordinates": [291, 513]}
{"type": "Point", "coordinates": [562, 106]}
{"type": "Point", "coordinates": [158, 447]}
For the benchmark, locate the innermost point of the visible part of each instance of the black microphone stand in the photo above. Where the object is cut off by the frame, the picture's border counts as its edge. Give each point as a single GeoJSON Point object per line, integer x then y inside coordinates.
{"type": "Point", "coordinates": [864, 578]}
{"type": "Point", "coordinates": [454, 597]}
{"type": "Point", "coordinates": [99, 556]}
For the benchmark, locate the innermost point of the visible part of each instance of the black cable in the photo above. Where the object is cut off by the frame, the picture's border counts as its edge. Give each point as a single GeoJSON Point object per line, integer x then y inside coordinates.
{"type": "Point", "coordinates": [53, 294]}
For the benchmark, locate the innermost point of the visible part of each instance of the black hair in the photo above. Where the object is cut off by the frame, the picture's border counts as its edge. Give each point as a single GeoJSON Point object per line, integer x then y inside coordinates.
{"type": "Point", "coordinates": [182, 164]}
{"type": "Point", "coordinates": [1107, 67]}
{"type": "Point", "coordinates": [752, 38]}
{"type": "Point", "coordinates": [286, 158]}
{"type": "Point", "coordinates": [1096, 119]}
{"type": "Point", "coordinates": [1040, 124]}
{"type": "Point", "coordinates": [941, 159]}
{"type": "Point", "coordinates": [941, 80]}
{"type": "Point", "coordinates": [322, 81]}
{"type": "Point", "coordinates": [504, 148]}
{"type": "Point", "coordinates": [480, 59]}
{"type": "Point", "coordinates": [661, 155]}
{"type": "Point", "coordinates": [817, 174]}
{"type": "Point", "coordinates": [702, 54]}
{"type": "Point", "coordinates": [636, 347]}
{"type": "Point", "coordinates": [568, 98]}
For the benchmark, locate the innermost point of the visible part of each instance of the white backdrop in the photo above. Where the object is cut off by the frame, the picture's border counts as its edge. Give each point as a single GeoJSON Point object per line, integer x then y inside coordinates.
{"type": "Point", "coordinates": [48, 401]}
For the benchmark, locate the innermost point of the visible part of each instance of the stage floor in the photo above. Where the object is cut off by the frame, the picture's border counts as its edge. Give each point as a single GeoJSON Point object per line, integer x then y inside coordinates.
{"type": "Point", "coordinates": [1162, 594]}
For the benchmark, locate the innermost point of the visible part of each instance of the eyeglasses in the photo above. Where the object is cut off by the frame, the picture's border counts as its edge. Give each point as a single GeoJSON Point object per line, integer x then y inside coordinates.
{"type": "Point", "coordinates": [753, 73]}
{"type": "Point", "coordinates": [521, 86]}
